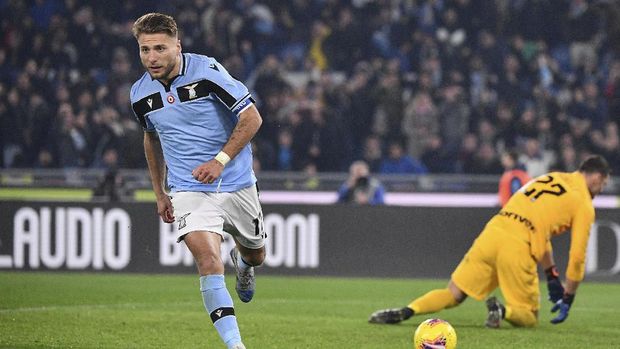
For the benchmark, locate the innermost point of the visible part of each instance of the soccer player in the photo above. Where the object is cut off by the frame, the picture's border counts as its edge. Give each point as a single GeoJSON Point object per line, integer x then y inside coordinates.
{"type": "Point", "coordinates": [198, 122]}
{"type": "Point", "coordinates": [513, 178]}
{"type": "Point", "coordinates": [507, 251]}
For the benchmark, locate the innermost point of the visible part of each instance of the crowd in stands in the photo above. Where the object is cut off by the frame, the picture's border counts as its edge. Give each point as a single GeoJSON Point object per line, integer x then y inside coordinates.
{"type": "Point", "coordinates": [408, 86]}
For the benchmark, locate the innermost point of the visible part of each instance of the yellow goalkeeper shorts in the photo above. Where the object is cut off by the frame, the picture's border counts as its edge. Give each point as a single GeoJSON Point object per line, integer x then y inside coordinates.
{"type": "Point", "coordinates": [500, 257]}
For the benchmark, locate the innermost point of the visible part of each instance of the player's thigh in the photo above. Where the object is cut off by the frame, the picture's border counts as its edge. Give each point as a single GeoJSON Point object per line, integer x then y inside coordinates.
{"type": "Point", "coordinates": [205, 247]}
{"type": "Point", "coordinates": [244, 218]}
{"type": "Point", "coordinates": [476, 274]}
{"type": "Point", "coordinates": [518, 278]}
{"type": "Point", "coordinates": [196, 211]}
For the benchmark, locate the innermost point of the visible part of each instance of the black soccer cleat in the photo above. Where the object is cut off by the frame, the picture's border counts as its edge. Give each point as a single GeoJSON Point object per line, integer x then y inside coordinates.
{"type": "Point", "coordinates": [496, 313]}
{"type": "Point", "coordinates": [389, 316]}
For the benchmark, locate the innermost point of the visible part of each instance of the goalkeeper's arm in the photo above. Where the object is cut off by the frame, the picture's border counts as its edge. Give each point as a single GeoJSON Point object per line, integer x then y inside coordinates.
{"type": "Point", "coordinates": [554, 285]}
{"type": "Point", "coordinates": [564, 304]}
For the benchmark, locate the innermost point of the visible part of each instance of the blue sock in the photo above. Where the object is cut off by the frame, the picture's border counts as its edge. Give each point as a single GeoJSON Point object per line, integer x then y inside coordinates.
{"type": "Point", "coordinates": [219, 305]}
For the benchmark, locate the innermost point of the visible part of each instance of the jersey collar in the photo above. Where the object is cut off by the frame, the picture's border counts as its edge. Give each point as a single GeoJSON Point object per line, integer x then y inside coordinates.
{"type": "Point", "coordinates": [182, 71]}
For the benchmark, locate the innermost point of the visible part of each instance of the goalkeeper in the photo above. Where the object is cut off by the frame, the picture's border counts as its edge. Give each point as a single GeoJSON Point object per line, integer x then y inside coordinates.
{"type": "Point", "coordinates": [507, 251]}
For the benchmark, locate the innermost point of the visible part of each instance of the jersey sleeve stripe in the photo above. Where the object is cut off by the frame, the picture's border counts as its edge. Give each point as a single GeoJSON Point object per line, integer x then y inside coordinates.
{"type": "Point", "coordinates": [240, 100]}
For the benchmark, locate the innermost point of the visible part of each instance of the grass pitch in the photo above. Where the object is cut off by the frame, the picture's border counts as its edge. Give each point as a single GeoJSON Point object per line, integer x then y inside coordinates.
{"type": "Point", "coordinates": [74, 310]}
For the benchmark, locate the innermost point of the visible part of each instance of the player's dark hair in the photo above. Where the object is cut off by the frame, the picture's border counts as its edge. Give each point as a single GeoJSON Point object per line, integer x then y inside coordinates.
{"type": "Point", "coordinates": [155, 23]}
{"type": "Point", "coordinates": [595, 164]}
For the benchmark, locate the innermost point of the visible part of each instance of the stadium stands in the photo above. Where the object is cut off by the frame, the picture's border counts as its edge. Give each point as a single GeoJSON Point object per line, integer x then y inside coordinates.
{"type": "Point", "coordinates": [457, 81]}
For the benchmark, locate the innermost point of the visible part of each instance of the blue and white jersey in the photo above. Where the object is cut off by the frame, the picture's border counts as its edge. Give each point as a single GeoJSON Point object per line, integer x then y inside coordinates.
{"type": "Point", "coordinates": [194, 116]}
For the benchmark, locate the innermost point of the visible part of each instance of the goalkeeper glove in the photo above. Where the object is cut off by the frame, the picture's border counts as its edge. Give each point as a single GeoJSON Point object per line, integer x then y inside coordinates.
{"type": "Point", "coordinates": [563, 305]}
{"type": "Point", "coordinates": [554, 285]}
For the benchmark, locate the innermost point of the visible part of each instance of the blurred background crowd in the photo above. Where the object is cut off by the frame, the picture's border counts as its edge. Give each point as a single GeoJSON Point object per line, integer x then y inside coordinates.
{"type": "Point", "coordinates": [408, 86]}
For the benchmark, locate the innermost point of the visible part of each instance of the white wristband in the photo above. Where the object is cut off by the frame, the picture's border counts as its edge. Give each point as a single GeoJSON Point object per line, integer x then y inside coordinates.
{"type": "Point", "coordinates": [222, 158]}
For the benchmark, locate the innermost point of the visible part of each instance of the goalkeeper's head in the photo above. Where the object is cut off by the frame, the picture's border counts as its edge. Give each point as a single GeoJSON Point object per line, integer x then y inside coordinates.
{"type": "Point", "coordinates": [596, 172]}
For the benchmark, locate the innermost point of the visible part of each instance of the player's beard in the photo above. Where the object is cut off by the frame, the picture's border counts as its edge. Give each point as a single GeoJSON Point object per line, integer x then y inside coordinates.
{"type": "Point", "coordinates": [166, 72]}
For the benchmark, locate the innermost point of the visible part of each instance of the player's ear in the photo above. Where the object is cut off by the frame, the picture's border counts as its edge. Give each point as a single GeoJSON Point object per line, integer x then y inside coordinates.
{"type": "Point", "coordinates": [179, 45]}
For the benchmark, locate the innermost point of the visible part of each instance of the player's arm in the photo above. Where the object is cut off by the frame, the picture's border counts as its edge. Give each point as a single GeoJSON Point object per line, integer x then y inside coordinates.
{"type": "Point", "coordinates": [247, 126]}
{"type": "Point", "coordinates": [157, 170]}
{"type": "Point", "coordinates": [249, 123]}
{"type": "Point", "coordinates": [554, 285]}
{"type": "Point", "coordinates": [575, 271]}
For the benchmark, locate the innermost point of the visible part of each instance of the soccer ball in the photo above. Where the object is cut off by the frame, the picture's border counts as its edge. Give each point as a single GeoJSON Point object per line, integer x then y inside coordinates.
{"type": "Point", "coordinates": [434, 334]}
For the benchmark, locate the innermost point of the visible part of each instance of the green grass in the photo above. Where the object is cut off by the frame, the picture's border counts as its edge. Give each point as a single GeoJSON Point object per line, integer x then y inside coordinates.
{"type": "Point", "coordinates": [71, 310]}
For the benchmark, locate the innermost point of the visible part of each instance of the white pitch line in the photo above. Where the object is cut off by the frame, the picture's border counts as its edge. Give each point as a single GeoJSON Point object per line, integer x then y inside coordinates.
{"type": "Point", "coordinates": [87, 306]}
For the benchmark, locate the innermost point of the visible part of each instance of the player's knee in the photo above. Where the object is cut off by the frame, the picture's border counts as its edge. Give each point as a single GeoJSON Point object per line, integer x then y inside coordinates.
{"type": "Point", "coordinates": [458, 295]}
{"type": "Point", "coordinates": [534, 321]}
{"type": "Point", "coordinates": [523, 318]}
{"type": "Point", "coordinates": [254, 257]}
{"type": "Point", "coordinates": [530, 321]}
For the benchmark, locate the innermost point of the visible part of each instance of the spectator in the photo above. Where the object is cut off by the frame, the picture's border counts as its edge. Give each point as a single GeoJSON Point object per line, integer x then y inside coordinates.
{"type": "Point", "coordinates": [361, 188]}
{"type": "Point", "coordinates": [435, 157]}
{"type": "Point", "coordinates": [454, 114]}
{"type": "Point", "coordinates": [284, 156]}
{"type": "Point", "coordinates": [420, 123]}
{"type": "Point", "coordinates": [582, 27]}
{"type": "Point", "coordinates": [513, 178]}
{"type": "Point", "coordinates": [536, 160]}
{"type": "Point", "coordinates": [111, 188]}
{"type": "Point", "coordinates": [398, 162]}
{"type": "Point", "coordinates": [45, 159]}
{"type": "Point", "coordinates": [567, 160]}
{"type": "Point", "coordinates": [485, 161]}
{"type": "Point", "coordinates": [372, 153]}
{"type": "Point", "coordinates": [589, 104]}
{"type": "Point", "coordinates": [612, 90]}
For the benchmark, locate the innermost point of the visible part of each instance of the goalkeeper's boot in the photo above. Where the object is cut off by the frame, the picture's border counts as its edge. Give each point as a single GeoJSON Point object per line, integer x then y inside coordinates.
{"type": "Point", "coordinates": [238, 346]}
{"type": "Point", "coordinates": [245, 279]}
{"type": "Point", "coordinates": [496, 313]}
{"type": "Point", "coordinates": [390, 316]}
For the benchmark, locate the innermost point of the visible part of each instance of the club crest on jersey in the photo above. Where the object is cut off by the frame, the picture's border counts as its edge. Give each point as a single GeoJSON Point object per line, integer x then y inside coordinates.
{"type": "Point", "coordinates": [182, 222]}
{"type": "Point", "coordinates": [192, 91]}
{"type": "Point", "coordinates": [170, 99]}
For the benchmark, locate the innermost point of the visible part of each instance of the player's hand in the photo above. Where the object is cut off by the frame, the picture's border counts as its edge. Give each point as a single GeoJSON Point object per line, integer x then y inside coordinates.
{"type": "Point", "coordinates": [563, 305]}
{"type": "Point", "coordinates": [165, 209]}
{"type": "Point", "coordinates": [208, 172]}
{"type": "Point", "coordinates": [554, 285]}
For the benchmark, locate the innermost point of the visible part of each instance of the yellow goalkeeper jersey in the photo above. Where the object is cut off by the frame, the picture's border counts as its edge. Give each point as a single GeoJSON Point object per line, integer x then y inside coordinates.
{"type": "Point", "coordinates": [550, 205]}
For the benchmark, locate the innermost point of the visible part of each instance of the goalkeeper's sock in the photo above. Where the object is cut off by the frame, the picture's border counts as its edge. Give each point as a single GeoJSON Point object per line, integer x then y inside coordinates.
{"type": "Point", "coordinates": [433, 301]}
{"type": "Point", "coordinates": [519, 316]}
{"type": "Point", "coordinates": [219, 305]}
